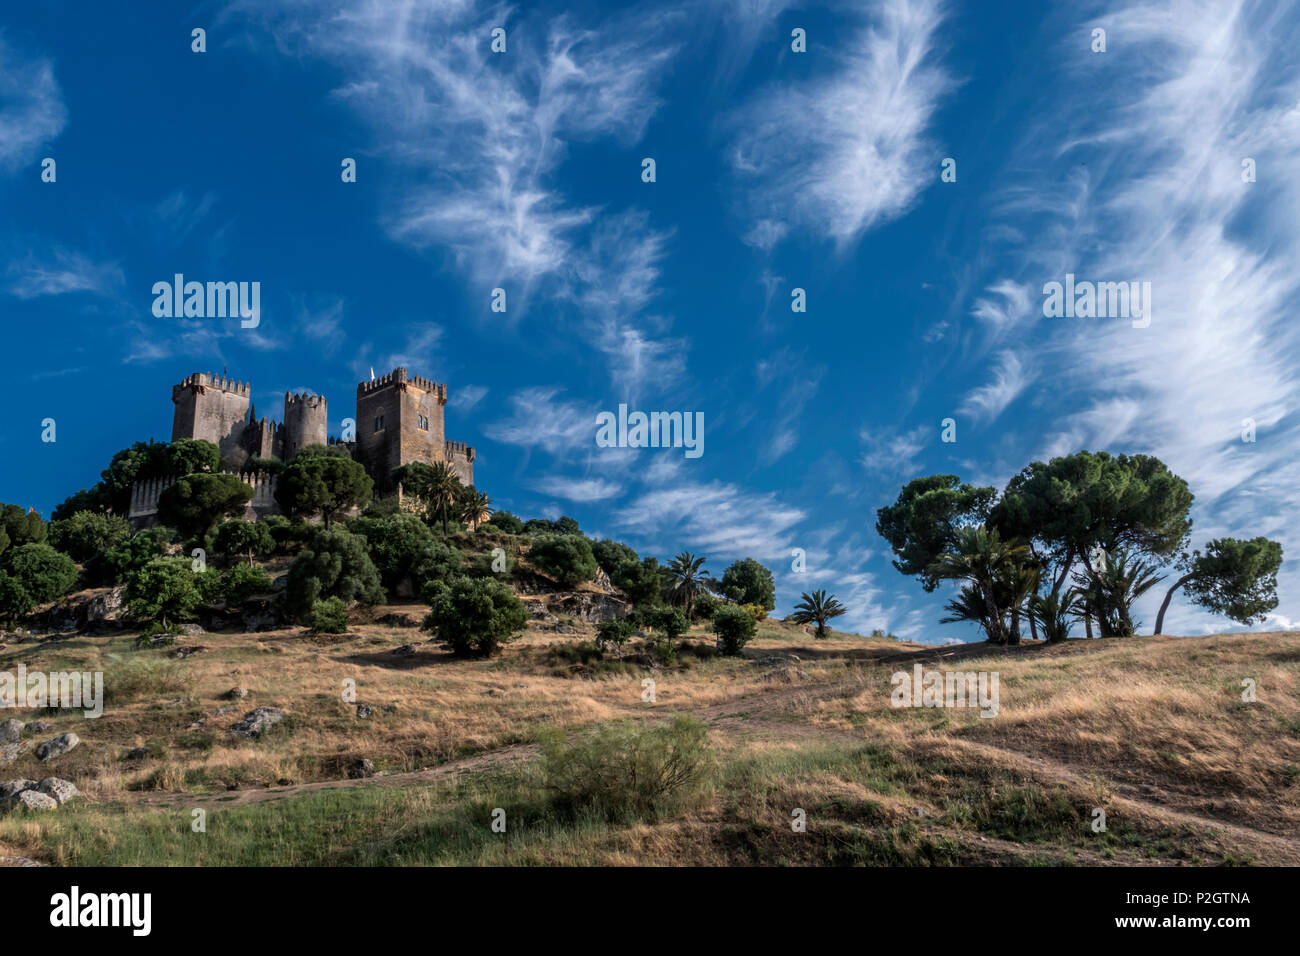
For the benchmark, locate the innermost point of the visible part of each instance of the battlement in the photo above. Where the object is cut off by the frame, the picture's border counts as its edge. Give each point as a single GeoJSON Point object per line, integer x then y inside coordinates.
{"type": "Point", "coordinates": [458, 449]}
{"type": "Point", "coordinates": [202, 380]}
{"type": "Point", "coordinates": [399, 378]}
{"type": "Point", "coordinates": [307, 399]}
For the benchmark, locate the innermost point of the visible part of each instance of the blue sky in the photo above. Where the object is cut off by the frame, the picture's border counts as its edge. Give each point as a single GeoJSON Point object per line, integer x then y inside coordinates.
{"type": "Point", "coordinates": [776, 170]}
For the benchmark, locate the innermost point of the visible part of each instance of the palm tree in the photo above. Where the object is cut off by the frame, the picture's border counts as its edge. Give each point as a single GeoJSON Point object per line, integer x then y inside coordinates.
{"type": "Point", "coordinates": [444, 488]}
{"type": "Point", "coordinates": [475, 507]}
{"type": "Point", "coordinates": [1054, 613]}
{"type": "Point", "coordinates": [1016, 584]}
{"type": "Point", "coordinates": [817, 607]}
{"type": "Point", "coordinates": [685, 569]}
{"type": "Point", "coordinates": [980, 556]}
{"type": "Point", "coordinates": [1114, 587]}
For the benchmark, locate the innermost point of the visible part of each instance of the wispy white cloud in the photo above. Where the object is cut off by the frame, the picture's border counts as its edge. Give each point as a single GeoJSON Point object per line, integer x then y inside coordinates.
{"type": "Point", "coordinates": [1010, 378]}
{"type": "Point", "coordinates": [32, 111]}
{"type": "Point", "coordinates": [61, 271]}
{"type": "Point", "coordinates": [846, 151]}
{"type": "Point", "coordinates": [578, 489]}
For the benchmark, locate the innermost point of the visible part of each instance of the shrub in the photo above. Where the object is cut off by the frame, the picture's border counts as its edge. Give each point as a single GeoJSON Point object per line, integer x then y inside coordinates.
{"type": "Point", "coordinates": [195, 503]}
{"type": "Point", "coordinates": [748, 582]}
{"type": "Point", "coordinates": [758, 612]}
{"type": "Point", "coordinates": [14, 599]}
{"type": "Point", "coordinates": [239, 539]}
{"type": "Point", "coordinates": [43, 572]}
{"type": "Point", "coordinates": [735, 628]}
{"type": "Point", "coordinates": [22, 526]}
{"type": "Point", "coordinates": [612, 631]}
{"type": "Point", "coordinates": [505, 521]}
{"type": "Point", "coordinates": [329, 616]}
{"type": "Point", "coordinates": [670, 620]}
{"type": "Point", "coordinates": [396, 544]}
{"type": "Point", "coordinates": [113, 566]}
{"type": "Point", "coordinates": [614, 556]}
{"type": "Point", "coordinates": [289, 536]}
{"type": "Point", "coordinates": [240, 581]}
{"type": "Point", "coordinates": [642, 583]}
{"type": "Point", "coordinates": [565, 558]}
{"type": "Point", "coordinates": [475, 615]}
{"type": "Point", "coordinates": [624, 771]}
{"type": "Point", "coordinates": [166, 589]}
{"type": "Point", "coordinates": [704, 607]}
{"type": "Point", "coordinates": [335, 564]}
{"type": "Point", "coordinates": [437, 561]}
{"type": "Point", "coordinates": [88, 533]}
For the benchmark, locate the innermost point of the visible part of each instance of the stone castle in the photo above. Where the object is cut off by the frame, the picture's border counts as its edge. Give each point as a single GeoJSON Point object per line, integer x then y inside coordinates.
{"type": "Point", "coordinates": [399, 420]}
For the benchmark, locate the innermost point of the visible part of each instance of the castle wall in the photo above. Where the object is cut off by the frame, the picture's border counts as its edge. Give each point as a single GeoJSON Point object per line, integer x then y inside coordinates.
{"type": "Point", "coordinates": [213, 408]}
{"type": "Point", "coordinates": [304, 423]}
{"type": "Point", "coordinates": [143, 512]}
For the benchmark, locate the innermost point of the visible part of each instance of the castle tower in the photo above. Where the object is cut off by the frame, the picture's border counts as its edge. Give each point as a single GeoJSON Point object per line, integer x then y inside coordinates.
{"type": "Point", "coordinates": [304, 423]}
{"type": "Point", "coordinates": [399, 421]}
{"type": "Point", "coordinates": [213, 408]}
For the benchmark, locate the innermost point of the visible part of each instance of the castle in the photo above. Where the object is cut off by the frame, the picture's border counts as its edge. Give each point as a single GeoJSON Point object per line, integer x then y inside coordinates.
{"type": "Point", "coordinates": [399, 420]}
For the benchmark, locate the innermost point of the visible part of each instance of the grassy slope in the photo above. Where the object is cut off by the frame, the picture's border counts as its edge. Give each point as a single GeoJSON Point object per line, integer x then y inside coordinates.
{"type": "Point", "coordinates": [1150, 729]}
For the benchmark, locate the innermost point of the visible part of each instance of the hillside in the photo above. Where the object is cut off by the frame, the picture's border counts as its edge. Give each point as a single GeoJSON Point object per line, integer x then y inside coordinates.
{"type": "Point", "coordinates": [1151, 730]}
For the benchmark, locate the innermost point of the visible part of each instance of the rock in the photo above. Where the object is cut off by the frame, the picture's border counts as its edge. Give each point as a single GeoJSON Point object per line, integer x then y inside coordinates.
{"type": "Point", "coordinates": [364, 711]}
{"type": "Point", "coordinates": [361, 767]}
{"type": "Point", "coordinates": [58, 788]}
{"type": "Point", "coordinates": [280, 583]}
{"type": "Point", "coordinates": [56, 747]}
{"type": "Point", "coordinates": [284, 782]}
{"type": "Point", "coordinates": [257, 722]}
{"type": "Point", "coordinates": [36, 727]}
{"type": "Point", "coordinates": [235, 693]}
{"type": "Point", "coordinates": [406, 650]}
{"type": "Point", "coordinates": [30, 800]}
{"type": "Point", "coordinates": [591, 608]}
{"type": "Point", "coordinates": [11, 752]}
{"type": "Point", "coordinates": [107, 606]}
{"type": "Point", "coordinates": [188, 651]}
{"type": "Point", "coordinates": [137, 753]}
{"type": "Point", "coordinates": [785, 675]}
{"type": "Point", "coordinates": [13, 787]}
{"type": "Point", "coordinates": [192, 630]}
{"type": "Point", "coordinates": [398, 620]}
{"type": "Point", "coordinates": [11, 730]}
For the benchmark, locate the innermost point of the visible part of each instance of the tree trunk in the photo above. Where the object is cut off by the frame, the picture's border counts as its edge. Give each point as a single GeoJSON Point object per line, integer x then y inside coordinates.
{"type": "Point", "coordinates": [1160, 618]}
{"type": "Point", "coordinates": [1033, 626]}
{"type": "Point", "coordinates": [991, 609]}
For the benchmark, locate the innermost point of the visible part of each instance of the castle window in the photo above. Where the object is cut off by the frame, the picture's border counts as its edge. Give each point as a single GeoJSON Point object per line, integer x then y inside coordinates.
{"type": "Point", "coordinates": [423, 422]}
{"type": "Point", "coordinates": [379, 423]}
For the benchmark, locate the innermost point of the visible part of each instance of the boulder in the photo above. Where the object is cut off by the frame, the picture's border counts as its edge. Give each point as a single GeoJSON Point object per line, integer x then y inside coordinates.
{"type": "Point", "coordinates": [29, 800]}
{"type": "Point", "coordinates": [364, 711]}
{"type": "Point", "coordinates": [36, 727]}
{"type": "Point", "coordinates": [192, 630]}
{"type": "Point", "coordinates": [56, 747]}
{"type": "Point", "coordinates": [13, 787]}
{"type": "Point", "coordinates": [58, 788]}
{"type": "Point", "coordinates": [257, 722]}
{"type": "Point", "coordinates": [406, 650]}
{"type": "Point", "coordinates": [585, 606]}
{"type": "Point", "coordinates": [235, 693]}
{"type": "Point", "coordinates": [11, 730]}
{"type": "Point", "coordinates": [361, 767]}
{"type": "Point", "coordinates": [11, 752]}
{"type": "Point", "coordinates": [107, 607]}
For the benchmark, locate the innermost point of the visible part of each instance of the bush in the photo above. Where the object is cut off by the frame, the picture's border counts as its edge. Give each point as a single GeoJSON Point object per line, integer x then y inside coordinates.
{"type": "Point", "coordinates": [396, 544]}
{"type": "Point", "coordinates": [43, 572]}
{"type": "Point", "coordinates": [748, 582]}
{"type": "Point", "coordinates": [505, 521]}
{"type": "Point", "coordinates": [243, 539]}
{"type": "Point", "coordinates": [14, 599]}
{"type": "Point", "coordinates": [166, 589]}
{"type": "Point", "coordinates": [195, 503]}
{"type": "Point", "coordinates": [112, 567]}
{"type": "Point", "coordinates": [735, 628]}
{"type": "Point", "coordinates": [335, 564]}
{"type": "Point", "coordinates": [329, 616]}
{"type": "Point", "coordinates": [670, 620]}
{"type": "Point", "coordinates": [705, 606]}
{"type": "Point", "coordinates": [623, 771]}
{"type": "Point", "coordinates": [565, 558]}
{"type": "Point", "coordinates": [289, 536]}
{"type": "Point", "coordinates": [756, 611]}
{"type": "Point", "coordinates": [642, 583]}
{"type": "Point", "coordinates": [475, 615]}
{"type": "Point", "coordinates": [614, 556]}
{"type": "Point", "coordinates": [88, 533]}
{"type": "Point", "coordinates": [612, 631]}
{"type": "Point", "coordinates": [241, 581]}
{"type": "Point", "coordinates": [21, 526]}
{"type": "Point", "coordinates": [437, 562]}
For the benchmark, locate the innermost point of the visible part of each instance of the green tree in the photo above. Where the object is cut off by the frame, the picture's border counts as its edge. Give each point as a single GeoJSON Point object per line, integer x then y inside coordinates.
{"type": "Point", "coordinates": [642, 583]}
{"type": "Point", "coordinates": [329, 616]}
{"type": "Point", "coordinates": [505, 521]}
{"type": "Point", "coordinates": [44, 573]}
{"type": "Point", "coordinates": [748, 582]}
{"type": "Point", "coordinates": [689, 579]}
{"type": "Point", "coordinates": [112, 566]}
{"type": "Point", "coordinates": [241, 581]}
{"type": "Point", "coordinates": [396, 544]}
{"type": "Point", "coordinates": [1113, 586]}
{"type": "Point", "coordinates": [735, 628]}
{"type": "Point", "coordinates": [165, 589]}
{"type": "Point", "coordinates": [186, 456]}
{"type": "Point", "coordinates": [195, 503]}
{"type": "Point", "coordinates": [88, 533]}
{"type": "Point", "coordinates": [473, 507]}
{"type": "Point", "coordinates": [613, 556]}
{"type": "Point", "coordinates": [324, 485]}
{"type": "Point", "coordinates": [565, 558]}
{"type": "Point", "coordinates": [1235, 578]}
{"type": "Point", "coordinates": [925, 520]}
{"type": "Point", "coordinates": [335, 564]}
{"type": "Point", "coordinates": [1054, 613]}
{"type": "Point", "coordinates": [22, 526]}
{"type": "Point", "coordinates": [980, 556]}
{"type": "Point", "coordinates": [817, 607]}
{"type": "Point", "coordinates": [613, 631]}
{"type": "Point", "coordinates": [669, 620]}
{"type": "Point", "coordinates": [15, 601]}
{"type": "Point", "coordinates": [243, 538]}
{"type": "Point", "coordinates": [476, 616]}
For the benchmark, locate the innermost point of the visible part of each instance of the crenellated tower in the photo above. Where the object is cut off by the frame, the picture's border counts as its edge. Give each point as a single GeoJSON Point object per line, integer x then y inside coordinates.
{"type": "Point", "coordinates": [304, 423]}
{"type": "Point", "coordinates": [214, 408]}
